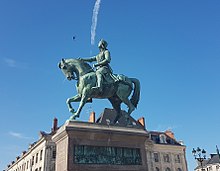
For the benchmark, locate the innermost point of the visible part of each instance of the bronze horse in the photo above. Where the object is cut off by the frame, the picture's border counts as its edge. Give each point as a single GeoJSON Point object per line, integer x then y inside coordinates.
{"type": "Point", "coordinates": [116, 92]}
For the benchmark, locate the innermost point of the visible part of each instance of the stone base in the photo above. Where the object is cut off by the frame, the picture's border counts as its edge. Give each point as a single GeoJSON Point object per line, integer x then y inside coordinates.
{"type": "Point", "coordinates": [83, 146]}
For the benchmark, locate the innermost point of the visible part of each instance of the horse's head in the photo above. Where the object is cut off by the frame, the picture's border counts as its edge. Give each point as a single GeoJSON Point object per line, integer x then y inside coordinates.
{"type": "Point", "coordinates": [72, 67]}
{"type": "Point", "coordinates": [67, 69]}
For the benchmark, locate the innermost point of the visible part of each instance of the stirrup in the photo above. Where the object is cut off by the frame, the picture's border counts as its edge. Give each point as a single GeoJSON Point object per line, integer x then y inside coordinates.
{"type": "Point", "coordinates": [97, 88]}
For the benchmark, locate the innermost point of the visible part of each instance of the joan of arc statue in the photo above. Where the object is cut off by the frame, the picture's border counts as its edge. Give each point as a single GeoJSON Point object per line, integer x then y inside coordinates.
{"type": "Point", "coordinates": [102, 66]}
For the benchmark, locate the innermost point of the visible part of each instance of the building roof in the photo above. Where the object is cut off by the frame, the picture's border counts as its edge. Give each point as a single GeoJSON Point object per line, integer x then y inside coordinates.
{"type": "Point", "coordinates": [163, 138]}
{"type": "Point", "coordinates": [215, 159]}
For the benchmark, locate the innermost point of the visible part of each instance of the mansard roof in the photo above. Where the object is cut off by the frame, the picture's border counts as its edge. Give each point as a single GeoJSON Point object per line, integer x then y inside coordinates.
{"type": "Point", "coordinates": [215, 158]}
{"type": "Point", "coordinates": [155, 136]}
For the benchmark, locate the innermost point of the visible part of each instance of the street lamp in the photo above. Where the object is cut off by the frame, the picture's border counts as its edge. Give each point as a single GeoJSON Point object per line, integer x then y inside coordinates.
{"type": "Point", "coordinates": [200, 155]}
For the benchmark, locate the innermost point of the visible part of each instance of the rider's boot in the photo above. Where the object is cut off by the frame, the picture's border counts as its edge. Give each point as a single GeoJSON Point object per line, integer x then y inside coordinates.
{"type": "Point", "coordinates": [99, 83]}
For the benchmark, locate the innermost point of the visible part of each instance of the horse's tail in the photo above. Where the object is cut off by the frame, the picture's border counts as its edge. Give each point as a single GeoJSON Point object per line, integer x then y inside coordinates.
{"type": "Point", "coordinates": [136, 93]}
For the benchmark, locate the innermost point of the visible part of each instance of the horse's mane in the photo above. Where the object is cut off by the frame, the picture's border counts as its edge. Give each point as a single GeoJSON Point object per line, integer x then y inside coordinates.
{"type": "Point", "coordinates": [81, 63]}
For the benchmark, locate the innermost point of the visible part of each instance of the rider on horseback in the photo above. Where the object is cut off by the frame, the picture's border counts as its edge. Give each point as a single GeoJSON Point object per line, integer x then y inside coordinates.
{"type": "Point", "coordinates": [102, 66]}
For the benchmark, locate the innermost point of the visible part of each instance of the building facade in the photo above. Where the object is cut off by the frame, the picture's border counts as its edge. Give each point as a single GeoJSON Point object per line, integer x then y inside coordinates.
{"type": "Point", "coordinates": [162, 152]}
{"type": "Point", "coordinates": [40, 156]}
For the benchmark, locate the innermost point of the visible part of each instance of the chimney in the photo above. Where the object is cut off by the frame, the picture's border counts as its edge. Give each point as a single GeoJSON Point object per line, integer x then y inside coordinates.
{"type": "Point", "coordinates": [54, 125]}
{"type": "Point", "coordinates": [92, 117]}
{"type": "Point", "coordinates": [170, 134]}
{"type": "Point", "coordinates": [142, 121]}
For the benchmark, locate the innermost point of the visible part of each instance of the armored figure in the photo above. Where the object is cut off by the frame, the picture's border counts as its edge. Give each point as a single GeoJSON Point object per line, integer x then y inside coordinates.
{"type": "Point", "coordinates": [102, 66]}
{"type": "Point", "coordinates": [101, 83]}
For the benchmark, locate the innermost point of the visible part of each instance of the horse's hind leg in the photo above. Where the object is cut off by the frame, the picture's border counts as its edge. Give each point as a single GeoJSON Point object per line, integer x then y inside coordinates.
{"type": "Point", "coordinates": [123, 93]}
{"type": "Point", "coordinates": [116, 104]}
{"type": "Point", "coordinates": [131, 107]}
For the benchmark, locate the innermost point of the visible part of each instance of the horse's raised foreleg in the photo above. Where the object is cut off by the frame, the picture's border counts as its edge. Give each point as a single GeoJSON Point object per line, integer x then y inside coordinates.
{"type": "Point", "coordinates": [75, 98]}
{"type": "Point", "coordinates": [83, 101]}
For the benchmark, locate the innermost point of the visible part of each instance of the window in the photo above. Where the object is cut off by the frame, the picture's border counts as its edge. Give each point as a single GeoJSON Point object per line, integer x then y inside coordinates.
{"type": "Point", "coordinates": [157, 169]}
{"type": "Point", "coordinates": [163, 139]}
{"type": "Point", "coordinates": [179, 169]}
{"type": "Point", "coordinates": [177, 158]}
{"type": "Point", "coordinates": [54, 154]}
{"type": "Point", "coordinates": [41, 154]}
{"type": "Point", "coordinates": [168, 169]}
{"type": "Point", "coordinates": [166, 158]}
{"type": "Point", "coordinates": [156, 157]}
{"type": "Point", "coordinates": [155, 138]}
{"type": "Point", "coordinates": [36, 158]}
{"type": "Point", "coordinates": [40, 169]}
{"type": "Point", "coordinates": [27, 164]}
{"type": "Point", "coordinates": [32, 160]}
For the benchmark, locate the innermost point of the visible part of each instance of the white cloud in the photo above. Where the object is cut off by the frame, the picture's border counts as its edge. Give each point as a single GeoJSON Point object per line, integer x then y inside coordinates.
{"type": "Point", "coordinates": [18, 135]}
{"type": "Point", "coordinates": [14, 64]}
{"type": "Point", "coordinates": [94, 20]}
{"type": "Point", "coordinates": [10, 62]}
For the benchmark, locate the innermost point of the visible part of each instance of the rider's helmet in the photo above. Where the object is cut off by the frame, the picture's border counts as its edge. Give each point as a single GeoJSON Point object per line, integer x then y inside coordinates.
{"type": "Point", "coordinates": [102, 42]}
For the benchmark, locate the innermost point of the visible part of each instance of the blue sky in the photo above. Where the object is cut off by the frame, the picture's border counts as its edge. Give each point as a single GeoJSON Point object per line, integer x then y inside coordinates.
{"type": "Point", "coordinates": [172, 47]}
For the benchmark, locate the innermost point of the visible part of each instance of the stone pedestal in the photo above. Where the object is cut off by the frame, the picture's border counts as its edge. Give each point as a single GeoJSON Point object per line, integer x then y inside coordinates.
{"type": "Point", "coordinates": [83, 146]}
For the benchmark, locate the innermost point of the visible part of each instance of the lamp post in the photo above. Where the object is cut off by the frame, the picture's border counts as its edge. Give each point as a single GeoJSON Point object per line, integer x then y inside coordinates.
{"type": "Point", "coordinates": [200, 155]}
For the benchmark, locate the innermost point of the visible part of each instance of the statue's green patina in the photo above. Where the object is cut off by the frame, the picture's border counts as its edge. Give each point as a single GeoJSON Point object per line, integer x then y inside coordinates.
{"type": "Point", "coordinates": [101, 83]}
{"type": "Point", "coordinates": [102, 66]}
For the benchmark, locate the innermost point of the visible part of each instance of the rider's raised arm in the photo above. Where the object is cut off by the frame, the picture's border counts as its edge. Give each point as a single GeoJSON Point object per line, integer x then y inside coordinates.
{"type": "Point", "coordinates": [91, 59]}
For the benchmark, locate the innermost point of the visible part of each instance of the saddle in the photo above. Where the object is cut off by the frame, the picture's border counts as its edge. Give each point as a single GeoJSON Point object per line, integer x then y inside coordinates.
{"type": "Point", "coordinates": [110, 78]}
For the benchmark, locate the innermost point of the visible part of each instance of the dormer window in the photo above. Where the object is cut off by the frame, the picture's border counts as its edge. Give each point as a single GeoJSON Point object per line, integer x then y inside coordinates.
{"type": "Point", "coordinates": [163, 139]}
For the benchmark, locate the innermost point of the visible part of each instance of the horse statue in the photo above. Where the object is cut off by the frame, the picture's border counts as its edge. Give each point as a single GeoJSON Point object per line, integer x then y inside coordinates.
{"type": "Point", "coordinates": [115, 91]}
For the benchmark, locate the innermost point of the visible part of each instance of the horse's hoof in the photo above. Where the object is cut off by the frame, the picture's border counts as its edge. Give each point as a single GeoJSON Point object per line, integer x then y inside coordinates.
{"type": "Point", "coordinates": [72, 111]}
{"type": "Point", "coordinates": [76, 116]}
{"type": "Point", "coordinates": [72, 118]}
